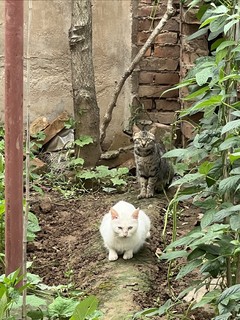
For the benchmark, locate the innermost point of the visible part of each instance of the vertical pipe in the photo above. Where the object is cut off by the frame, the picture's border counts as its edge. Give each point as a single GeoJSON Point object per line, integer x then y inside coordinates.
{"type": "Point", "coordinates": [14, 134]}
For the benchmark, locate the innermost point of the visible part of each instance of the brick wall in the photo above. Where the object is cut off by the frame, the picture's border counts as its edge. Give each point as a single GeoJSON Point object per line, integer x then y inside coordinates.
{"type": "Point", "coordinates": [159, 69]}
{"type": "Point", "coordinates": [166, 61]}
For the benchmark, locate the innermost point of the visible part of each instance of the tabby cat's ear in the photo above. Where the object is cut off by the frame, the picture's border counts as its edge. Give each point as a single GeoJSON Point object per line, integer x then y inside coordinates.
{"type": "Point", "coordinates": [114, 213]}
{"type": "Point", "coordinates": [153, 130]}
{"type": "Point", "coordinates": [135, 213]}
{"type": "Point", "coordinates": [135, 129]}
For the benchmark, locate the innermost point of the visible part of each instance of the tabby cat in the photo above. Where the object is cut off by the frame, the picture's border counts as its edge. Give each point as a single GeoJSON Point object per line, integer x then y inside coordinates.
{"type": "Point", "coordinates": [124, 230]}
{"type": "Point", "coordinates": [154, 172]}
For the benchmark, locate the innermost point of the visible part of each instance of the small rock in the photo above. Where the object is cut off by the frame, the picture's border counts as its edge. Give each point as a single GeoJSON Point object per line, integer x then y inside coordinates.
{"type": "Point", "coordinates": [45, 205]}
{"type": "Point", "coordinates": [38, 166]}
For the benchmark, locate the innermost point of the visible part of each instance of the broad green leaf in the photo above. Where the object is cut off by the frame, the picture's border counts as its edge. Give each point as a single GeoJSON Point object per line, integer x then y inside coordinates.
{"type": "Point", "coordinates": [234, 124]}
{"type": "Point", "coordinates": [86, 174]}
{"type": "Point", "coordinates": [205, 167]}
{"type": "Point", "coordinates": [218, 23]}
{"type": "Point", "coordinates": [210, 266]}
{"type": "Point", "coordinates": [220, 9]}
{"type": "Point", "coordinates": [236, 112]}
{"type": "Point", "coordinates": [35, 314]}
{"type": "Point", "coordinates": [207, 218]}
{"type": "Point", "coordinates": [229, 25]}
{"type": "Point", "coordinates": [225, 44]}
{"type": "Point", "coordinates": [198, 33]}
{"type": "Point", "coordinates": [188, 268]}
{"type": "Point", "coordinates": [196, 93]}
{"type": "Point", "coordinates": [229, 143]}
{"type": "Point", "coordinates": [235, 222]}
{"type": "Point", "coordinates": [203, 75]}
{"type": "Point", "coordinates": [83, 140]}
{"type": "Point", "coordinates": [235, 171]}
{"type": "Point", "coordinates": [206, 204]}
{"type": "Point", "coordinates": [85, 308]}
{"type": "Point", "coordinates": [227, 293]}
{"type": "Point", "coordinates": [173, 255]}
{"type": "Point", "coordinates": [78, 161]}
{"type": "Point", "coordinates": [220, 215]}
{"type": "Point", "coordinates": [224, 316]}
{"type": "Point", "coordinates": [3, 305]}
{"type": "Point", "coordinates": [207, 298]}
{"type": "Point", "coordinates": [229, 183]}
{"type": "Point", "coordinates": [216, 43]}
{"type": "Point", "coordinates": [212, 101]}
{"type": "Point", "coordinates": [118, 182]}
{"type": "Point", "coordinates": [234, 156]}
{"type": "Point", "coordinates": [175, 153]}
{"type": "Point", "coordinates": [182, 84]}
{"type": "Point", "coordinates": [122, 171]}
{"type": "Point", "coordinates": [62, 307]}
{"type": "Point", "coordinates": [209, 20]}
{"type": "Point", "coordinates": [180, 242]}
{"type": "Point", "coordinates": [196, 253]}
{"type": "Point", "coordinates": [190, 177]}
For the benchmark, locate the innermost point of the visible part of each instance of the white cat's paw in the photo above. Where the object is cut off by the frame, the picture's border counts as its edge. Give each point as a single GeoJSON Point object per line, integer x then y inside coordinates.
{"type": "Point", "coordinates": [128, 255]}
{"type": "Point", "coordinates": [112, 256]}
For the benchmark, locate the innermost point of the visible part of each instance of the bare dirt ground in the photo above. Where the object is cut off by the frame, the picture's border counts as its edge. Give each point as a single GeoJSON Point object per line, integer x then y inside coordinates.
{"type": "Point", "coordinates": [69, 249]}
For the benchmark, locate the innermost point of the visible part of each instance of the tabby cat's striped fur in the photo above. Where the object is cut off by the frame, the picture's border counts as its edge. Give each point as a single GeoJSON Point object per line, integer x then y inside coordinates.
{"type": "Point", "coordinates": [153, 171]}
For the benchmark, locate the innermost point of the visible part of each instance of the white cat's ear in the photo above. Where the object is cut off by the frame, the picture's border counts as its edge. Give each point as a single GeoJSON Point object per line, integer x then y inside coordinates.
{"type": "Point", "coordinates": [135, 129]}
{"type": "Point", "coordinates": [114, 213]}
{"type": "Point", "coordinates": [135, 213]}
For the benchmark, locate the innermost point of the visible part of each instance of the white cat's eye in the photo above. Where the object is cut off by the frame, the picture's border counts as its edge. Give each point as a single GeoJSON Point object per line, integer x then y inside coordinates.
{"type": "Point", "coordinates": [120, 228]}
{"type": "Point", "coordinates": [129, 228]}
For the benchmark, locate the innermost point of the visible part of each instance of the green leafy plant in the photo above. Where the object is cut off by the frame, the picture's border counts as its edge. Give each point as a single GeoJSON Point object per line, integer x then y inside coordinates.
{"type": "Point", "coordinates": [106, 177]}
{"type": "Point", "coordinates": [42, 302]}
{"type": "Point", "coordinates": [211, 172]}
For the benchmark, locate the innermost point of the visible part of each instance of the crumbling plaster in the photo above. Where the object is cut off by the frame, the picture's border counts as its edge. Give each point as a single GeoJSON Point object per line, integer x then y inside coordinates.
{"type": "Point", "coordinates": [50, 63]}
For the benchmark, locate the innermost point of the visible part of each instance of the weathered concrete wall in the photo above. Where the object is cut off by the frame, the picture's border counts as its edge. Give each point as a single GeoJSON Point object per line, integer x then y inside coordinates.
{"type": "Point", "coordinates": [50, 75]}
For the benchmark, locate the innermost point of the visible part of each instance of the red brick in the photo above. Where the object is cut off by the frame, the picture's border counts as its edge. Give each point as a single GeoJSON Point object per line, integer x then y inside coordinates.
{"type": "Point", "coordinates": [142, 37]}
{"type": "Point", "coordinates": [158, 64]}
{"type": "Point", "coordinates": [163, 117]}
{"type": "Point", "coordinates": [151, 11]}
{"type": "Point", "coordinates": [166, 51]}
{"type": "Point", "coordinates": [167, 38]}
{"type": "Point", "coordinates": [145, 25]}
{"type": "Point", "coordinates": [156, 91]}
{"type": "Point", "coordinates": [189, 16]}
{"type": "Point", "coordinates": [188, 130]}
{"type": "Point", "coordinates": [188, 29]}
{"type": "Point", "coordinates": [147, 103]}
{"type": "Point", "coordinates": [158, 78]}
{"type": "Point", "coordinates": [167, 105]}
{"type": "Point", "coordinates": [171, 25]}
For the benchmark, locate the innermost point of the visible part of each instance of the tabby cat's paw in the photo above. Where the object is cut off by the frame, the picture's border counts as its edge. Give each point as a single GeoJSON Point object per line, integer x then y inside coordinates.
{"type": "Point", "coordinates": [141, 195]}
{"type": "Point", "coordinates": [149, 195]}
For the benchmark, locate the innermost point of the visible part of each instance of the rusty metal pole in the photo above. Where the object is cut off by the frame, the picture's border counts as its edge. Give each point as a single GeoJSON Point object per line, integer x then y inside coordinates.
{"type": "Point", "coordinates": [14, 134]}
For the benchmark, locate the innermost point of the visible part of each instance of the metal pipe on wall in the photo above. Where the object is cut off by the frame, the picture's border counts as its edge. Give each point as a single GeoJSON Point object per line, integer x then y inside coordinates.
{"type": "Point", "coordinates": [13, 134]}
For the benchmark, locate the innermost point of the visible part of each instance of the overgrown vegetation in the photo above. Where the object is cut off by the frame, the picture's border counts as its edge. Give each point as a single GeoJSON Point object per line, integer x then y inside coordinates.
{"type": "Point", "coordinates": [212, 175]}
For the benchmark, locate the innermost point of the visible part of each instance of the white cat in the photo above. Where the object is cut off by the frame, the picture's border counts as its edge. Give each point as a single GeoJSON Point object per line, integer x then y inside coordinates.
{"type": "Point", "coordinates": [124, 230]}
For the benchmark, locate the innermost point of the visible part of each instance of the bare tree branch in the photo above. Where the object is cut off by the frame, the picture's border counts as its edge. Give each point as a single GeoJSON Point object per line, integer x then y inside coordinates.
{"type": "Point", "coordinates": [108, 115]}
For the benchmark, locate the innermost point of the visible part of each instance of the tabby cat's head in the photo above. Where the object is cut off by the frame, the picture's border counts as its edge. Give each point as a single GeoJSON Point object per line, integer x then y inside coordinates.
{"type": "Point", "coordinates": [144, 139]}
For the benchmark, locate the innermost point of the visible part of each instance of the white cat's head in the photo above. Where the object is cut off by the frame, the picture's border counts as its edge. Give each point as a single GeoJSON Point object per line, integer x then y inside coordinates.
{"type": "Point", "coordinates": [124, 225]}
